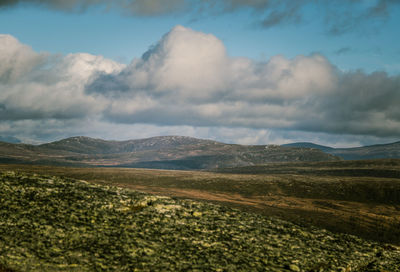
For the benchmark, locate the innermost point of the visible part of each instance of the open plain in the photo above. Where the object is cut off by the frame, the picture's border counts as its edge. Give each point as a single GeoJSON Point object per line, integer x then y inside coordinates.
{"type": "Point", "coordinates": [355, 197]}
{"type": "Point", "coordinates": [54, 223]}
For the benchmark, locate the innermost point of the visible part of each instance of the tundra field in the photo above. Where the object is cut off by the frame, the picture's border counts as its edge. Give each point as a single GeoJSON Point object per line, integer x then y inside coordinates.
{"type": "Point", "coordinates": [361, 198]}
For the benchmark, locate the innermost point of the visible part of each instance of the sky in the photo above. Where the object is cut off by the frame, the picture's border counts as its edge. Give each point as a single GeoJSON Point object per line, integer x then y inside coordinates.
{"type": "Point", "coordinates": [236, 71]}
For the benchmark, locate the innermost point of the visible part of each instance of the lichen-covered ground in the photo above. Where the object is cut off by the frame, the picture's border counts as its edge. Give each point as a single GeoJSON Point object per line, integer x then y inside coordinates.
{"type": "Point", "coordinates": [54, 224]}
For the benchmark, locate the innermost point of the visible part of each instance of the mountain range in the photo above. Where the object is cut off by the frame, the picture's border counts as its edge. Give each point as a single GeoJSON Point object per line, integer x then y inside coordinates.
{"type": "Point", "coordinates": [180, 153]}
{"type": "Point", "coordinates": [163, 152]}
{"type": "Point", "coordinates": [380, 151]}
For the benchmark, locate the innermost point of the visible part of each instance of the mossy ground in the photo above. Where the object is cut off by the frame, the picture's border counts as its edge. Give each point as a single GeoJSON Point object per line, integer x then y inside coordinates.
{"type": "Point", "coordinates": [59, 224]}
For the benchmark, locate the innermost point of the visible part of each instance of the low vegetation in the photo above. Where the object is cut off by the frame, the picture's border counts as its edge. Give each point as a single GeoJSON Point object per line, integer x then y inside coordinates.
{"type": "Point", "coordinates": [354, 197]}
{"type": "Point", "coordinates": [61, 224]}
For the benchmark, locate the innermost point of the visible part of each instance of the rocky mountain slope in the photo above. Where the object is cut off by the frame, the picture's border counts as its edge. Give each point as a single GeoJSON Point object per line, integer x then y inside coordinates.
{"type": "Point", "coordinates": [58, 224]}
{"type": "Point", "coordinates": [381, 151]}
{"type": "Point", "coordinates": [165, 152]}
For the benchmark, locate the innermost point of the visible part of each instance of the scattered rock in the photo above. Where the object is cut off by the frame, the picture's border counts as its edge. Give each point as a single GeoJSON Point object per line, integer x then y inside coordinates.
{"type": "Point", "coordinates": [294, 267]}
{"type": "Point", "coordinates": [58, 224]}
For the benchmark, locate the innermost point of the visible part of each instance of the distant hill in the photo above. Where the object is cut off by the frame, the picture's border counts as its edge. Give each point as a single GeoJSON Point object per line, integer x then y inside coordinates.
{"type": "Point", "coordinates": [164, 152]}
{"type": "Point", "coordinates": [9, 139]}
{"type": "Point", "coordinates": [86, 145]}
{"type": "Point", "coordinates": [381, 151]}
{"type": "Point", "coordinates": [310, 145]}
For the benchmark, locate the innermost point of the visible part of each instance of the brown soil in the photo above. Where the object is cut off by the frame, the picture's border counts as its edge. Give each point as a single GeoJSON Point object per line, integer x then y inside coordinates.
{"type": "Point", "coordinates": [365, 206]}
{"type": "Point", "coordinates": [342, 216]}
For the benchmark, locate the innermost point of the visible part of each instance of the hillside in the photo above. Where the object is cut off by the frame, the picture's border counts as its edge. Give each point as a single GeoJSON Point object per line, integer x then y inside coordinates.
{"type": "Point", "coordinates": [354, 197]}
{"type": "Point", "coordinates": [164, 152]}
{"type": "Point", "coordinates": [86, 145]}
{"type": "Point", "coordinates": [58, 224]}
{"type": "Point", "coordinates": [381, 151]}
{"type": "Point", "coordinates": [310, 145]}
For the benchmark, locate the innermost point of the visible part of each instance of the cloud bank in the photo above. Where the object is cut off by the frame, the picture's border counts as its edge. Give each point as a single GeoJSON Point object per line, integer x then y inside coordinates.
{"type": "Point", "coordinates": [339, 16]}
{"type": "Point", "coordinates": [187, 80]}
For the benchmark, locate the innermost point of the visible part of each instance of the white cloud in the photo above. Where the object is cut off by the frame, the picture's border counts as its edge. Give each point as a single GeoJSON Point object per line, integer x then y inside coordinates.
{"type": "Point", "coordinates": [184, 63]}
{"type": "Point", "coordinates": [39, 86]}
{"type": "Point", "coordinates": [16, 59]}
{"type": "Point", "coordinates": [188, 82]}
{"type": "Point", "coordinates": [188, 79]}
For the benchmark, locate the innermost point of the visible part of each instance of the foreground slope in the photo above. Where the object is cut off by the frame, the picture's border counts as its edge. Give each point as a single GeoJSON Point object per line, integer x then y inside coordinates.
{"type": "Point", "coordinates": [355, 197]}
{"type": "Point", "coordinates": [55, 224]}
{"type": "Point", "coordinates": [164, 152]}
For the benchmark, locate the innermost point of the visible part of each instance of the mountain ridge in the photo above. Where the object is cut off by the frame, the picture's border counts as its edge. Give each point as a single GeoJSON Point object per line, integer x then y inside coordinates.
{"type": "Point", "coordinates": [309, 145]}
{"type": "Point", "coordinates": [162, 152]}
{"type": "Point", "coordinates": [377, 151]}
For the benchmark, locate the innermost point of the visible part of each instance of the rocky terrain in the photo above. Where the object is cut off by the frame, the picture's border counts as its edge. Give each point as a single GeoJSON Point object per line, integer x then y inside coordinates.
{"type": "Point", "coordinates": [59, 224]}
{"type": "Point", "coordinates": [166, 152]}
{"type": "Point", "coordinates": [354, 197]}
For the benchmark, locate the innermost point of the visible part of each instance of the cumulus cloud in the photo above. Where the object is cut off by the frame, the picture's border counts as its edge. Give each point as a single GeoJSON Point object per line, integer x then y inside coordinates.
{"type": "Point", "coordinates": [361, 104]}
{"type": "Point", "coordinates": [339, 17]}
{"type": "Point", "coordinates": [186, 63]}
{"type": "Point", "coordinates": [187, 80]}
{"type": "Point", "coordinates": [37, 85]}
{"type": "Point", "coordinates": [16, 59]}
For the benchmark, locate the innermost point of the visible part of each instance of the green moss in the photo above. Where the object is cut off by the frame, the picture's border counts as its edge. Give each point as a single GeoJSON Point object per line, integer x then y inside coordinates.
{"type": "Point", "coordinates": [55, 224]}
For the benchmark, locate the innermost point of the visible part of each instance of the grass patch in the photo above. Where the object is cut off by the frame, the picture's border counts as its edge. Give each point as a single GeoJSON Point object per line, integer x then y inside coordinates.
{"type": "Point", "coordinates": [339, 196]}
{"type": "Point", "coordinates": [61, 224]}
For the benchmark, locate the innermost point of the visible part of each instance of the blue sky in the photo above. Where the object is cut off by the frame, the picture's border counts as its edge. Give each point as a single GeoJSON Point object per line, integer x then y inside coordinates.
{"type": "Point", "coordinates": [372, 46]}
{"type": "Point", "coordinates": [352, 36]}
